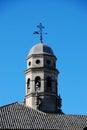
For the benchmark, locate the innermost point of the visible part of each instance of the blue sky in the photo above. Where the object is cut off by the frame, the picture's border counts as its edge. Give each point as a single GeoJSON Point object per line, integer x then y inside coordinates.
{"type": "Point", "coordinates": [65, 22]}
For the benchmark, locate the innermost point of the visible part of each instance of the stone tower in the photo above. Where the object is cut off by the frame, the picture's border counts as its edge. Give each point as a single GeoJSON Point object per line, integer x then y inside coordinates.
{"type": "Point", "coordinates": [41, 79]}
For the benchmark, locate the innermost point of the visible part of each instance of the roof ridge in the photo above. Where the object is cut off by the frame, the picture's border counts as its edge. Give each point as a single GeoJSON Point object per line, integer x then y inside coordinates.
{"type": "Point", "coordinates": [9, 104]}
{"type": "Point", "coordinates": [24, 106]}
{"type": "Point", "coordinates": [49, 114]}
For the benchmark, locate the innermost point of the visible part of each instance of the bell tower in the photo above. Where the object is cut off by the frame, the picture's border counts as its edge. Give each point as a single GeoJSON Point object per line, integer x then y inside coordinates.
{"type": "Point", "coordinates": [41, 78]}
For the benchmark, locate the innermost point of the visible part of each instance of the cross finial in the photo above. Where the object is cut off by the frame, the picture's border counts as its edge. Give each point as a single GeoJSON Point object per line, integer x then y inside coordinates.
{"type": "Point", "coordinates": [41, 27]}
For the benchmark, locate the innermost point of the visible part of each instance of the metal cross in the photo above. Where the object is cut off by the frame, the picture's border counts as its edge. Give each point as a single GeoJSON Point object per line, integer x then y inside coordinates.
{"type": "Point", "coordinates": [40, 26]}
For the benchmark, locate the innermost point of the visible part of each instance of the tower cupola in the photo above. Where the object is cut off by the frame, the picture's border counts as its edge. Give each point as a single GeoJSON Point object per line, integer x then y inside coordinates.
{"type": "Point", "coordinates": [41, 48]}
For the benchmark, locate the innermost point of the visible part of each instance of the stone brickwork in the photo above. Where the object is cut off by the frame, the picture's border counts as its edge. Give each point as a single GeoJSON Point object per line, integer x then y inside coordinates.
{"type": "Point", "coordinates": [41, 77]}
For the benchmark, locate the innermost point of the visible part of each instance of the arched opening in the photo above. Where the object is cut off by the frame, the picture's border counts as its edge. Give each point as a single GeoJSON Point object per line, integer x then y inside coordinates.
{"type": "Point", "coordinates": [37, 83]}
{"type": "Point", "coordinates": [28, 85]}
{"type": "Point", "coordinates": [49, 84]}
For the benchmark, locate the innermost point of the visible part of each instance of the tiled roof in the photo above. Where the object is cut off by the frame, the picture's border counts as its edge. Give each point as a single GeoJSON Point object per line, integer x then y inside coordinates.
{"type": "Point", "coordinates": [19, 116]}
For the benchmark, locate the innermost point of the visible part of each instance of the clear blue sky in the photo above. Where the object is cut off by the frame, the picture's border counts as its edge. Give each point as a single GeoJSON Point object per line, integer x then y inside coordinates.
{"type": "Point", "coordinates": [65, 22]}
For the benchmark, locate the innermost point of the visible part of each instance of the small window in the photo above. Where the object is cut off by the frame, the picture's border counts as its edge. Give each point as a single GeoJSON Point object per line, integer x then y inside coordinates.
{"type": "Point", "coordinates": [48, 62]}
{"type": "Point", "coordinates": [37, 61]}
{"type": "Point", "coordinates": [29, 63]}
